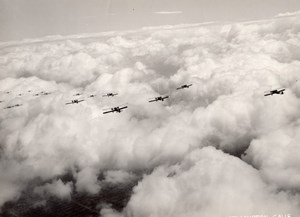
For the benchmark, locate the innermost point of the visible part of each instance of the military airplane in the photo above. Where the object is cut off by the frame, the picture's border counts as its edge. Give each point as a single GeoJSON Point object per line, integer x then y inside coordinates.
{"type": "Point", "coordinates": [184, 86]}
{"type": "Point", "coordinates": [92, 95]}
{"type": "Point", "coordinates": [75, 101]}
{"type": "Point", "coordinates": [159, 98]}
{"type": "Point", "coordinates": [276, 91]}
{"type": "Point", "coordinates": [110, 94]}
{"type": "Point", "coordinates": [46, 93]}
{"type": "Point", "coordinates": [77, 94]}
{"type": "Point", "coordinates": [115, 109]}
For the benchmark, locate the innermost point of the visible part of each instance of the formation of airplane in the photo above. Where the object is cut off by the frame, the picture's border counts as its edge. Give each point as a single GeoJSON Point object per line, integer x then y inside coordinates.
{"type": "Point", "coordinates": [159, 98]}
{"type": "Point", "coordinates": [119, 109]}
{"type": "Point", "coordinates": [115, 109]}
{"type": "Point", "coordinates": [276, 91]}
{"type": "Point", "coordinates": [75, 101]}
{"type": "Point", "coordinates": [184, 86]}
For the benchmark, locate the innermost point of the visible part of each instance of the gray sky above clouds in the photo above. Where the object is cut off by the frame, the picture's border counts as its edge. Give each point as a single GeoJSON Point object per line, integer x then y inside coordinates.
{"type": "Point", "coordinates": [20, 19]}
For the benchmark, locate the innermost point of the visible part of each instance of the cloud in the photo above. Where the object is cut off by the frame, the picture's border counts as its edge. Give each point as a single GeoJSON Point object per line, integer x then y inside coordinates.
{"type": "Point", "coordinates": [275, 155]}
{"type": "Point", "coordinates": [230, 67]}
{"type": "Point", "coordinates": [87, 181]}
{"type": "Point", "coordinates": [117, 177]}
{"type": "Point", "coordinates": [56, 188]}
{"type": "Point", "coordinates": [287, 14]}
{"type": "Point", "coordinates": [209, 182]}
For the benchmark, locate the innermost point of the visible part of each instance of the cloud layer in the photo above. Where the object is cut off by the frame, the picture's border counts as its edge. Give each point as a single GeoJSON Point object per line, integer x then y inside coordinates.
{"type": "Point", "coordinates": [205, 149]}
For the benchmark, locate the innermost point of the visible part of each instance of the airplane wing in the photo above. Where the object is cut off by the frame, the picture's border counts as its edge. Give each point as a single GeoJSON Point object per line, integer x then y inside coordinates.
{"type": "Point", "coordinates": [178, 88]}
{"type": "Point", "coordinates": [107, 112]}
{"type": "Point", "coordinates": [165, 97]}
{"type": "Point", "coordinates": [268, 94]}
{"type": "Point", "coordinates": [124, 107]}
{"type": "Point", "coordinates": [152, 100]}
{"type": "Point", "coordinates": [80, 100]}
{"type": "Point", "coordinates": [68, 103]}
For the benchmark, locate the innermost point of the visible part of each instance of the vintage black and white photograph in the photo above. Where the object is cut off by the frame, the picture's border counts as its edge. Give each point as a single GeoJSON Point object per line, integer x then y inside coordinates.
{"type": "Point", "coordinates": [149, 108]}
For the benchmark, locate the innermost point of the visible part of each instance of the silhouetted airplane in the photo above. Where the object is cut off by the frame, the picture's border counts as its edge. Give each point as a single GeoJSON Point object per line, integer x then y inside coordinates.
{"type": "Point", "coordinates": [46, 93]}
{"type": "Point", "coordinates": [77, 94]}
{"type": "Point", "coordinates": [115, 109]}
{"type": "Point", "coordinates": [276, 91]}
{"type": "Point", "coordinates": [92, 95]}
{"type": "Point", "coordinates": [110, 94]}
{"type": "Point", "coordinates": [184, 86]}
{"type": "Point", "coordinates": [12, 106]}
{"type": "Point", "coordinates": [159, 98]}
{"type": "Point", "coordinates": [75, 101]}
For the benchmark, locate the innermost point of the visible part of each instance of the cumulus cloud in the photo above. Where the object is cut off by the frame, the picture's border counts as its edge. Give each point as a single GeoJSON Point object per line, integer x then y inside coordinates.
{"type": "Point", "coordinates": [230, 67]}
{"type": "Point", "coordinates": [119, 176]}
{"type": "Point", "coordinates": [57, 188]}
{"type": "Point", "coordinates": [87, 181]}
{"type": "Point", "coordinates": [211, 183]}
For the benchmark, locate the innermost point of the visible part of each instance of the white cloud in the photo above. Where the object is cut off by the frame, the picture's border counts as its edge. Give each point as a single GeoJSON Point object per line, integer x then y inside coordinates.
{"type": "Point", "coordinates": [209, 183]}
{"type": "Point", "coordinates": [230, 67]}
{"type": "Point", "coordinates": [118, 176]}
{"type": "Point", "coordinates": [288, 14]}
{"type": "Point", "coordinates": [56, 188]}
{"type": "Point", "coordinates": [87, 181]}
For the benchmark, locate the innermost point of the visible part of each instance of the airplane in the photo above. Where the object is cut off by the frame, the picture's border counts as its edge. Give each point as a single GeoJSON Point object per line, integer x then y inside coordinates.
{"type": "Point", "coordinates": [77, 94]}
{"type": "Point", "coordinates": [110, 94]}
{"type": "Point", "coordinates": [159, 98]}
{"type": "Point", "coordinates": [184, 86]}
{"type": "Point", "coordinates": [92, 95]}
{"type": "Point", "coordinates": [115, 109]}
{"type": "Point", "coordinates": [46, 93]}
{"type": "Point", "coordinates": [12, 106]}
{"type": "Point", "coordinates": [276, 91]}
{"type": "Point", "coordinates": [36, 94]}
{"type": "Point", "coordinates": [75, 101]}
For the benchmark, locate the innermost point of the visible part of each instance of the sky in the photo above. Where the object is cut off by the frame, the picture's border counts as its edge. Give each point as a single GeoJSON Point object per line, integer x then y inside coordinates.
{"type": "Point", "coordinates": [21, 19]}
{"type": "Point", "coordinates": [218, 148]}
